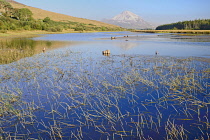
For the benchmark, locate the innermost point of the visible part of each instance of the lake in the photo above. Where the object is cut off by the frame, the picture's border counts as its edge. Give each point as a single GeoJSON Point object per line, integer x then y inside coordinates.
{"type": "Point", "coordinates": [138, 43]}
{"type": "Point", "coordinates": [72, 91]}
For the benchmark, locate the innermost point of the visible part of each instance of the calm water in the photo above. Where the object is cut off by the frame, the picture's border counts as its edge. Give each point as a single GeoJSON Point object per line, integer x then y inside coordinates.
{"type": "Point", "coordinates": [137, 43]}
{"type": "Point", "coordinates": [74, 92]}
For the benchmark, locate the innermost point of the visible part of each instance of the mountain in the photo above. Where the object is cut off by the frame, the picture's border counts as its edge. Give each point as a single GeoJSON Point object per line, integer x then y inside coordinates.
{"type": "Point", "coordinates": [41, 14]}
{"type": "Point", "coordinates": [129, 20]}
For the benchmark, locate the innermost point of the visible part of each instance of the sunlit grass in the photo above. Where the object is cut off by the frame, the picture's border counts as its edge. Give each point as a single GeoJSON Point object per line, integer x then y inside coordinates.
{"type": "Point", "coordinates": [13, 49]}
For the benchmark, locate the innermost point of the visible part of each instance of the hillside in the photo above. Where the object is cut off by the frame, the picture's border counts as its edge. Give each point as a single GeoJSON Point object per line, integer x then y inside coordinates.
{"type": "Point", "coordinates": [200, 24]}
{"type": "Point", "coordinates": [41, 14]}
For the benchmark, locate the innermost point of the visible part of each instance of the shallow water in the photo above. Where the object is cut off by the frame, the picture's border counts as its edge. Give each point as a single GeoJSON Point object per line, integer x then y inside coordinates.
{"type": "Point", "coordinates": [14, 49]}
{"type": "Point", "coordinates": [138, 43]}
{"type": "Point", "coordinates": [75, 92]}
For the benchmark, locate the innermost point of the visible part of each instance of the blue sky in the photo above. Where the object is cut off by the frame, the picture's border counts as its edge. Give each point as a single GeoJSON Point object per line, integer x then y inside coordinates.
{"type": "Point", "coordinates": [155, 11]}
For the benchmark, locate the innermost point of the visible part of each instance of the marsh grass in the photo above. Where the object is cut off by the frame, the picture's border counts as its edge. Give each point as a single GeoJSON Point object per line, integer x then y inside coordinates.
{"type": "Point", "coordinates": [8, 102]}
{"type": "Point", "coordinates": [15, 49]}
{"type": "Point", "coordinates": [64, 95]}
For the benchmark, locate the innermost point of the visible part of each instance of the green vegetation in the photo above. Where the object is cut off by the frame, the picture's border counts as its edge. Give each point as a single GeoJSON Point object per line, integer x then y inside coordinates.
{"type": "Point", "coordinates": [21, 19]}
{"type": "Point", "coordinates": [12, 50]}
{"type": "Point", "coordinates": [201, 24]}
{"type": "Point", "coordinates": [16, 49]}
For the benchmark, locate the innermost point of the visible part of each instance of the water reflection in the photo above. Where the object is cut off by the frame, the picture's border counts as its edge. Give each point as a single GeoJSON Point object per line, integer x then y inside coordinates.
{"type": "Point", "coordinates": [126, 45]}
{"type": "Point", "coordinates": [76, 93]}
{"type": "Point", "coordinates": [15, 49]}
{"type": "Point", "coordinates": [106, 54]}
{"type": "Point", "coordinates": [137, 43]}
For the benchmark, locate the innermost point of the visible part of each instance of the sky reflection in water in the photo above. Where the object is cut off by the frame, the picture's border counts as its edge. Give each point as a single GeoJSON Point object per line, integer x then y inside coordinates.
{"type": "Point", "coordinates": [76, 93]}
{"type": "Point", "coordinates": [136, 43]}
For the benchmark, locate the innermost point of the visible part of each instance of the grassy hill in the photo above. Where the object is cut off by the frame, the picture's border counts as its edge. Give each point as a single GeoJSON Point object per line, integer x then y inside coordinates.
{"type": "Point", "coordinates": [41, 14]}
{"type": "Point", "coordinates": [17, 17]}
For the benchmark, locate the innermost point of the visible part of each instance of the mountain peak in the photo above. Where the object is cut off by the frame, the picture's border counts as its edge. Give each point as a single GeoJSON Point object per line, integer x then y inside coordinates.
{"type": "Point", "coordinates": [126, 16]}
{"type": "Point", "coordinates": [127, 12]}
{"type": "Point", "coordinates": [130, 20]}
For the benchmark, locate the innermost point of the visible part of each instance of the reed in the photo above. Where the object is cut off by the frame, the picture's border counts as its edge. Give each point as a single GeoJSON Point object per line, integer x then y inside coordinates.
{"type": "Point", "coordinates": [65, 96]}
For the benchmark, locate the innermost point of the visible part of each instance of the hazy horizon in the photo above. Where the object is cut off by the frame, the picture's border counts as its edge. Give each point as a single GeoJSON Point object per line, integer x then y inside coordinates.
{"type": "Point", "coordinates": [153, 11]}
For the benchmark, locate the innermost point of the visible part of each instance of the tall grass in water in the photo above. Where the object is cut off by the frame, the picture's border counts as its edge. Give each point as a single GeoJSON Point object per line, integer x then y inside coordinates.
{"type": "Point", "coordinates": [66, 96]}
{"type": "Point", "coordinates": [13, 50]}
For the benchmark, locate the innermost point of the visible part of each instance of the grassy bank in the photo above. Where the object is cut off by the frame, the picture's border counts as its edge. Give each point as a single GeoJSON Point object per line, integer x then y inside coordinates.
{"type": "Point", "coordinates": [176, 31]}
{"type": "Point", "coordinates": [14, 34]}
{"type": "Point", "coordinates": [34, 33]}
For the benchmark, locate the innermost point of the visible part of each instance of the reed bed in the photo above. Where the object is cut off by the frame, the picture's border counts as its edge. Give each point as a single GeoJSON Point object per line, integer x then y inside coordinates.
{"type": "Point", "coordinates": [67, 95]}
{"type": "Point", "coordinates": [14, 49]}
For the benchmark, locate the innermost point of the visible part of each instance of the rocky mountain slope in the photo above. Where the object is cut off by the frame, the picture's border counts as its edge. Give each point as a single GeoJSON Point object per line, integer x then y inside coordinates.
{"type": "Point", "coordinates": [129, 20]}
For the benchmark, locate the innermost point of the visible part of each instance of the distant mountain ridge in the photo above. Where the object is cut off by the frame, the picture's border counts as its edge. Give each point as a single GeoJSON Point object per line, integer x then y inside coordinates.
{"type": "Point", "coordinates": [129, 20]}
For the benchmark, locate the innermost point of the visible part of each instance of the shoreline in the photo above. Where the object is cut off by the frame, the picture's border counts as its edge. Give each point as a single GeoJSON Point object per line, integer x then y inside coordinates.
{"type": "Point", "coordinates": [22, 33]}
{"type": "Point", "coordinates": [37, 33]}
{"type": "Point", "coordinates": [175, 31]}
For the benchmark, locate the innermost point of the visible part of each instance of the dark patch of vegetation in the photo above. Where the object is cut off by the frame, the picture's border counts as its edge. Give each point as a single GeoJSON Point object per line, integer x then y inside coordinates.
{"type": "Point", "coordinates": [21, 19]}
{"type": "Point", "coordinates": [200, 24]}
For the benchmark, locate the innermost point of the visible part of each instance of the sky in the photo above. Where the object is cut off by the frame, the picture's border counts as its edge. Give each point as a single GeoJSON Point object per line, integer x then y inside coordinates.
{"type": "Point", "coordinates": [154, 11]}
